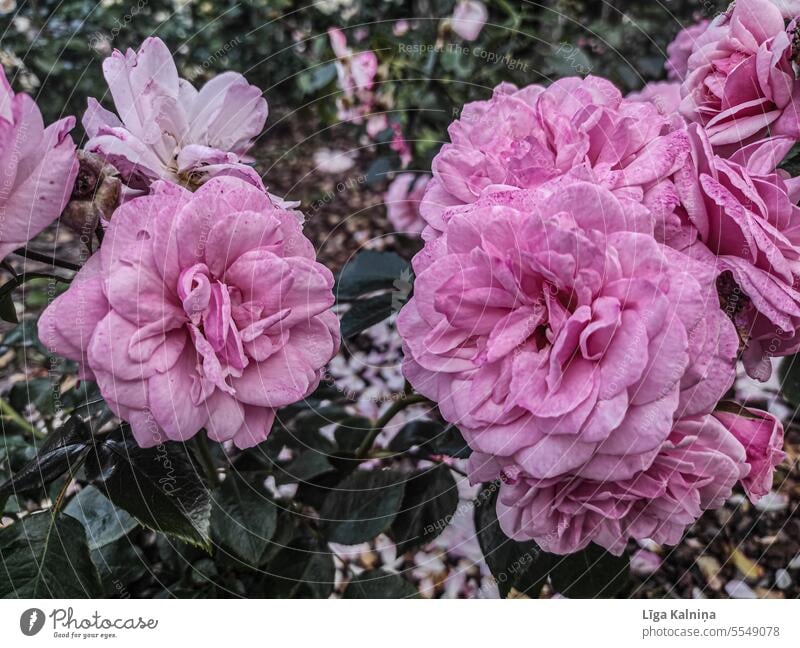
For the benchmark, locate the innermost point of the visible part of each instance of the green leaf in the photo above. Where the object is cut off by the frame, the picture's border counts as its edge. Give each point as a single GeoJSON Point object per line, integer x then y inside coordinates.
{"type": "Point", "coordinates": [244, 519]}
{"type": "Point", "coordinates": [567, 60]}
{"type": "Point", "coordinates": [313, 80]}
{"type": "Point", "coordinates": [282, 538]}
{"type": "Point", "coordinates": [351, 432]}
{"type": "Point", "coordinates": [303, 432]}
{"type": "Point", "coordinates": [8, 311]}
{"type": "Point", "coordinates": [104, 522]}
{"type": "Point", "coordinates": [366, 313]}
{"type": "Point", "coordinates": [303, 468]}
{"type": "Point", "coordinates": [39, 392]}
{"type": "Point", "coordinates": [63, 448]}
{"type": "Point", "coordinates": [370, 271]}
{"type": "Point", "coordinates": [432, 437]}
{"type": "Point", "coordinates": [379, 584]}
{"type": "Point", "coordinates": [46, 558]}
{"type": "Point", "coordinates": [590, 573]}
{"type": "Point", "coordinates": [304, 569]}
{"type": "Point", "coordinates": [789, 375]}
{"type": "Point", "coordinates": [361, 506]}
{"type": "Point", "coordinates": [514, 565]}
{"type": "Point", "coordinates": [378, 170]}
{"type": "Point", "coordinates": [119, 564]}
{"type": "Point", "coordinates": [159, 486]}
{"type": "Point", "coordinates": [429, 503]}
{"type": "Point", "coordinates": [792, 162]}
{"type": "Point", "coordinates": [25, 335]}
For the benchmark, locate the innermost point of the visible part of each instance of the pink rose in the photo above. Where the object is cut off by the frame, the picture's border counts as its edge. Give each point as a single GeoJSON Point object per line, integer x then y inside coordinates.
{"type": "Point", "coordinates": [202, 310]}
{"type": "Point", "coordinates": [38, 165]}
{"type": "Point", "coordinates": [399, 145]}
{"type": "Point", "coordinates": [740, 81]}
{"type": "Point", "coordinates": [402, 202]}
{"type": "Point", "coordinates": [740, 216]}
{"type": "Point", "coordinates": [679, 50]}
{"type": "Point", "coordinates": [694, 470]}
{"type": "Point", "coordinates": [468, 19]}
{"type": "Point", "coordinates": [167, 129]}
{"type": "Point", "coordinates": [664, 95]}
{"type": "Point", "coordinates": [575, 129]}
{"type": "Point", "coordinates": [554, 331]}
{"type": "Point", "coordinates": [356, 73]}
{"type": "Point", "coordinates": [761, 434]}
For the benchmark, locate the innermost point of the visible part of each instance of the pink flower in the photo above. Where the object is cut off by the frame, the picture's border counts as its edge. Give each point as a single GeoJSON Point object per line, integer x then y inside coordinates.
{"type": "Point", "coordinates": [468, 19]}
{"type": "Point", "coordinates": [167, 129]}
{"type": "Point", "coordinates": [554, 331]}
{"type": "Point", "coordinates": [740, 80]}
{"type": "Point", "coordinates": [761, 434]}
{"type": "Point", "coordinates": [401, 27]}
{"type": "Point", "coordinates": [664, 95]}
{"type": "Point", "coordinates": [788, 8]}
{"type": "Point", "coordinates": [644, 562]}
{"type": "Point", "coordinates": [694, 470]}
{"type": "Point", "coordinates": [402, 202]}
{"type": "Point", "coordinates": [356, 73]}
{"type": "Point", "coordinates": [679, 50]}
{"type": "Point", "coordinates": [740, 216]}
{"type": "Point", "coordinates": [575, 129]}
{"type": "Point", "coordinates": [399, 145]}
{"type": "Point", "coordinates": [202, 310]}
{"type": "Point", "coordinates": [38, 165]}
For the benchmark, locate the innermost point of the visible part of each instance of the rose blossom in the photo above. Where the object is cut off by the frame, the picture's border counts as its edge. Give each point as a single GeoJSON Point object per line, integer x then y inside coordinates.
{"type": "Point", "coordinates": [399, 144]}
{"type": "Point", "coordinates": [402, 202]}
{"type": "Point", "coordinates": [664, 95]}
{"type": "Point", "coordinates": [761, 434]}
{"type": "Point", "coordinates": [788, 8]}
{"type": "Point", "coordinates": [575, 129]}
{"type": "Point", "coordinates": [166, 128]}
{"type": "Point", "coordinates": [356, 74]}
{"type": "Point", "coordinates": [202, 310]}
{"type": "Point", "coordinates": [740, 80]}
{"type": "Point", "coordinates": [694, 470]}
{"type": "Point", "coordinates": [740, 216]}
{"type": "Point", "coordinates": [469, 17]}
{"type": "Point", "coordinates": [554, 331]}
{"type": "Point", "coordinates": [38, 165]}
{"type": "Point", "coordinates": [679, 50]}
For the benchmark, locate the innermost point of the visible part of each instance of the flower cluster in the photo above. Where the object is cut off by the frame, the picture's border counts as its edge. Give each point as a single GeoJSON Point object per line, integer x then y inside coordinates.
{"type": "Point", "coordinates": [360, 101]}
{"type": "Point", "coordinates": [594, 268]}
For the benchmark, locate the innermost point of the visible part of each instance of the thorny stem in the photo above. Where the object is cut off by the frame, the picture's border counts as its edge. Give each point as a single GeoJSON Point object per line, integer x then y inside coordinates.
{"type": "Point", "coordinates": [396, 407]}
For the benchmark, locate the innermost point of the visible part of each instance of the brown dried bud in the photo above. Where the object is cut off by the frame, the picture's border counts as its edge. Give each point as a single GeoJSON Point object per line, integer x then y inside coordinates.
{"type": "Point", "coordinates": [96, 193]}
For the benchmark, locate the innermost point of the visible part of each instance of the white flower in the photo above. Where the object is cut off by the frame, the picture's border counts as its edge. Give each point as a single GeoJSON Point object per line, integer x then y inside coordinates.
{"type": "Point", "coordinates": [331, 161]}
